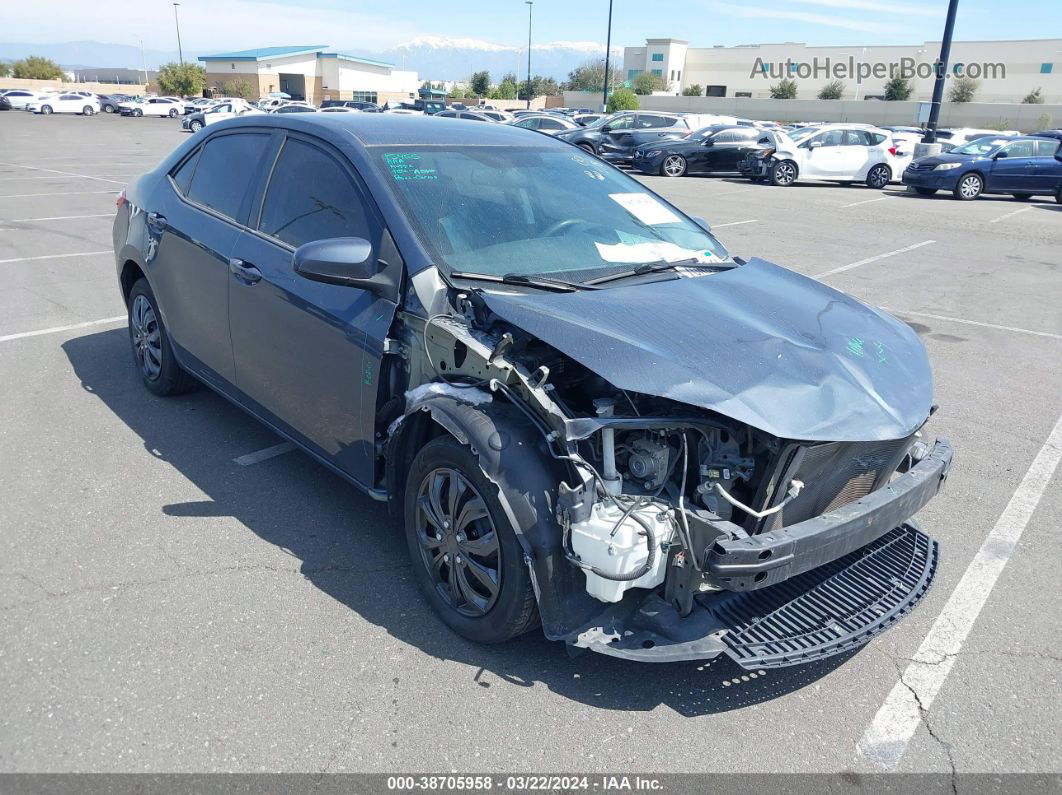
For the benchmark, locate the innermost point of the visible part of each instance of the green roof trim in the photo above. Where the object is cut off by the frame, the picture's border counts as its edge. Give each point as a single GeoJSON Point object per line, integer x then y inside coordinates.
{"type": "Point", "coordinates": [264, 53]}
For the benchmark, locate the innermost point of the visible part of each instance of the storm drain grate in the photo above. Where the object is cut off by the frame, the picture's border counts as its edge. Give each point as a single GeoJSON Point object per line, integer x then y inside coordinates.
{"type": "Point", "coordinates": [833, 608]}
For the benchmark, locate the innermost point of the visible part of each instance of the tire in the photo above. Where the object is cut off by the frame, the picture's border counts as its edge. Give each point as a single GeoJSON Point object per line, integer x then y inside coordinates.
{"type": "Point", "coordinates": [173, 113]}
{"type": "Point", "coordinates": [138, 112]}
{"type": "Point", "coordinates": [969, 187]}
{"type": "Point", "coordinates": [195, 125]}
{"type": "Point", "coordinates": [88, 110]}
{"type": "Point", "coordinates": [673, 166]}
{"type": "Point", "coordinates": [477, 613]}
{"type": "Point", "coordinates": [1022, 196]}
{"type": "Point", "coordinates": [588, 148]}
{"type": "Point", "coordinates": [150, 344]}
{"type": "Point", "coordinates": [783, 174]}
{"type": "Point", "coordinates": [108, 108]}
{"type": "Point", "coordinates": [926, 191]}
{"type": "Point", "coordinates": [46, 109]}
{"type": "Point", "coordinates": [879, 177]}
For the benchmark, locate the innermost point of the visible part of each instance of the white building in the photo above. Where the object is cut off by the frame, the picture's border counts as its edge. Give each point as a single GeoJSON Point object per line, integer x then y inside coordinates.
{"type": "Point", "coordinates": [1006, 70]}
{"type": "Point", "coordinates": [312, 73]}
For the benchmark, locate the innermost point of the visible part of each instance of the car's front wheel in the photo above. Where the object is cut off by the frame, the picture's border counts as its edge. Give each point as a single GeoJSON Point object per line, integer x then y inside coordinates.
{"type": "Point", "coordinates": [138, 112]}
{"type": "Point", "coordinates": [88, 110]}
{"type": "Point", "coordinates": [783, 174]}
{"type": "Point", "coordinates": [173, 113]}
{"type": "Point", "coordinates": [46, 109]}
{"type": "Point", "coordinates": [195, 125]}
{"type": "Point", "coordinates": [108, 108]}
{"type": "Point", "coordinates": [673, 166]}
{"type": "Point", "coordinates": [969, 187]}
{"type": "Point", "coordinates": [152, 352]}
{"type": "Point", "coordinates": [878, 177]}
{"type": "Point", "coordinates": [466, 559]}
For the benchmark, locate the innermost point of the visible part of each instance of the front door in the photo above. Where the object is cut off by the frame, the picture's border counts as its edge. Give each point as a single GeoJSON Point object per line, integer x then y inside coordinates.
{"type": "Point", "coordinates": [192, 234]}
{"type": "Point", "coordinates": [825, 157]}
{"type": "Point", "coordinates": [307, 353]}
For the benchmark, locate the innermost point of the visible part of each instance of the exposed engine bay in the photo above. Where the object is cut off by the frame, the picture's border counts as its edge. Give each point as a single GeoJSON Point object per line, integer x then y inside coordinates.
{"type": "Point", "coordinates": [667, 511]}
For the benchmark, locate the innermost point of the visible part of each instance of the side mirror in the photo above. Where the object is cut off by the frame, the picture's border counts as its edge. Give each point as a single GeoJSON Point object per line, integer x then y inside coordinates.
{"type": "Point", "coordinates": [708, 142]}
{"type": "Point", "coordinates": [814, 144]}
{"type": "Point", "coordinates": [345, 261]}
{"type": "Point", "coordinates": [701, 222]}
{"type": "Point", "coordinates": [1000, 155]}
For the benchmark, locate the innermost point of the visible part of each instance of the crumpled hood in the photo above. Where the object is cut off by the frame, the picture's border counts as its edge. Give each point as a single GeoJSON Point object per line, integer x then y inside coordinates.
{"type": "Point", "coordinates": [759, 343]}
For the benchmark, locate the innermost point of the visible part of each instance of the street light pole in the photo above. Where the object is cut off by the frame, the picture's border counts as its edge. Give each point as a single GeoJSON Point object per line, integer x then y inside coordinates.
{"type": "Point", "coordinates": [143, 62]}
{"type": "Point", "coordinates": [530, 6]}
{"type": "Point", "coordinates": [608, 51]}
{"type": "Point", "coordinates": [942, 70]}
{"type": "Point", "coordinates": [177, 22]}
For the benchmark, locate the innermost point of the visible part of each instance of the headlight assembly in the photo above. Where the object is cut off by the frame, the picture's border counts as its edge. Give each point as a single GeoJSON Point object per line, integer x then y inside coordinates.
{"type": "Point", "coordinates": [947, 166]}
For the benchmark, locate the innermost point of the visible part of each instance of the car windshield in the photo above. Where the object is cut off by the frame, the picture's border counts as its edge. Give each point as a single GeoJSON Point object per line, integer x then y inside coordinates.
{"type": "Point", "coordinates": [980, 146]}
{"type": "Point", "coordinates": [501, 210]}
{"type": "Point", "coordinates": [803, 132]}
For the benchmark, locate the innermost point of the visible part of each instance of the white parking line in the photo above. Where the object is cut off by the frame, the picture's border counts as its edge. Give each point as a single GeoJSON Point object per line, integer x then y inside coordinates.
{"type": "Point", "coordinates": [54, 256]}
{"type": "Point", "coordinates": [57, 329]}
{"type": "Point", "coordinates": [982, 324]}
{"type": "Point", "coordinates": [262, 455]}
{"type": "Point", "coordinates": [56, 218]}
{"type": "Point", "coordinates": [64, 173]}
{"type": "Point", "coordinates": [866, 201]}
{"type": "Point", "coordinates": [875, 258]}
{"type": "Point", "coordinates": [886, 739]}
{"type": "Point", "coordinates": [68, 193]}
{"type": "Point", "coordinates": [734, 223]}
{"type": "Point", "coordinates": [1010, 215]}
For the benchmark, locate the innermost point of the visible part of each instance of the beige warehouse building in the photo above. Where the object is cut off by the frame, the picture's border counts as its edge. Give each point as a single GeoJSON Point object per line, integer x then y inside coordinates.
{"type": "Point", "coordinates": [1006, 70]}
{"type": "Point", "coordinates": [312, 73]}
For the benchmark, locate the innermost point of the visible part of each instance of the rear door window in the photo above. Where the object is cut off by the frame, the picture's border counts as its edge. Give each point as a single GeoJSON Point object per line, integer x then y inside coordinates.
{"type": "Point", "coordinates": [311, 197]}
{"type": "Point", "coordinates": [1047, 147]}
{"type": "Point", "coordinates": [182, 177]}
{"type": "Point", "coordinates": [226, 169]}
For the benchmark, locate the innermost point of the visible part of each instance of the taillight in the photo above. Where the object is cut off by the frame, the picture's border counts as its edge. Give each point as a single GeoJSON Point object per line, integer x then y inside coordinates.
{"type": "Point", "coordinates": [892, 151]}
{"type": "Point", "coordinates": [121, 200]}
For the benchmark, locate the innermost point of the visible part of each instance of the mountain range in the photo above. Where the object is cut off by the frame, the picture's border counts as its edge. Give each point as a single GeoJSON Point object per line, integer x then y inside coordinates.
{"type": "Point", "coordinates": [432, 57]}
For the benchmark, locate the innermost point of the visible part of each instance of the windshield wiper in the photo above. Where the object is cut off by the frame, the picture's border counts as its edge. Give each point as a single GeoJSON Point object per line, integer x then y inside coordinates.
{"type": "Point", "coordinates": [657, 267]}
{"type": "Point", "coordinates": [523, 280]}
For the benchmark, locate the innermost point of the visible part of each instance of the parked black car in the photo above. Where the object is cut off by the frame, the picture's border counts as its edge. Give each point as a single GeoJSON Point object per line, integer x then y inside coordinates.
{"type": "Point", "coordinates": [585, 412]}
{"type": "Point", "coordinates": [109, 102]}
{"type": "Point", "coordinates": [712, 150]}
{"type": "Point", "coordinates": [615, 137]}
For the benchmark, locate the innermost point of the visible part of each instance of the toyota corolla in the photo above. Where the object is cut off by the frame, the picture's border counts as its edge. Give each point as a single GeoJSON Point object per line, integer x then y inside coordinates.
{"type": "Point", "coordinates": [585, 413]}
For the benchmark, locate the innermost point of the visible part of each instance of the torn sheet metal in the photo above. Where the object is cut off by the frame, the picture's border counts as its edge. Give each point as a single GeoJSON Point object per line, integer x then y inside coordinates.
{"type": "Point", "coordinates": [759, 343]}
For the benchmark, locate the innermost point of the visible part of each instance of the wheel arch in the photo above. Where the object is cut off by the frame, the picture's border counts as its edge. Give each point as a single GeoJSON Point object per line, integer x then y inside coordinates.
{"type": "Point", "coordinates": [130, 274]}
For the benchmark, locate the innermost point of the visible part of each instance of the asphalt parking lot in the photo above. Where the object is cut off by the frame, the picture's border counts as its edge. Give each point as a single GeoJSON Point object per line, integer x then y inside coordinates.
{"type": "Point", "coordinates": [167, 608]}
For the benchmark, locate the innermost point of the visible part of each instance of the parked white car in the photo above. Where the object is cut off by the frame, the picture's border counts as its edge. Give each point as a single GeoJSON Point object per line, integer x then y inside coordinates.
{"type": "Point", "coordinates": [153, 106]}
{"type": "Point", "coordinates": [65, 103]}
{"type": "Point", "coordinates": [957, 136]}
{"type": "Point", "coordinates": [218, 111]}
{"type": "Point", "coordinates": [20, 97]}
{"type": "Point", "coordinates": [833, 152]}
{"type": "Point", "coordinates": [339, 109]}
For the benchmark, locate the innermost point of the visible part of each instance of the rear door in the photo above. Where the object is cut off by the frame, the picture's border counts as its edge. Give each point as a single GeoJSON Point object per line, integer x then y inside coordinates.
{"type": "Point", "coordinates": [1013, 168]}
{"type": "Point", "coordinates": [1048, 170]}
{"type": "Point", "coordinates": [308, 354]}
{"type": "Point", "coordinates": [729, 147]}
{"type": "Point", "coordinates": [859, 153]}
{"type": "Point", "coordinates": [192, 234]}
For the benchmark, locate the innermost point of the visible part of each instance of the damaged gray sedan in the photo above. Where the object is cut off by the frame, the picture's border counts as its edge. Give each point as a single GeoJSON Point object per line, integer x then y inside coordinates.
{"type": "Point", "coordinates": [585, 413]}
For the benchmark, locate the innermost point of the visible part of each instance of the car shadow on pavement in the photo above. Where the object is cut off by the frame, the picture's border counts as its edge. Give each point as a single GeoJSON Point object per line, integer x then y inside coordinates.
{"type": "Point", "coordinates": [346, 545]}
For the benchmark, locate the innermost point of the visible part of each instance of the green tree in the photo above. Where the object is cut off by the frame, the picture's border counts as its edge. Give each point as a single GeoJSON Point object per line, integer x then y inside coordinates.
{"type": "Point", "coordinates": [622, 99]}
{"type": "Point", "coordinates": [784, 89]}
{"type": "Point", "coordinates": [1034, 97]}
{"type": "Point", "coordinates": [898, 89]}
{"type": "Point", "coordinates": [37, 68]}
{"type": "Point", "coordinates": [832, 90]}
{"type": "Point", "coordinates": [481, 83]}
{"type": "Point", "coordinates": [237, 88]}
{"type": "Point", "coordinates": [646, 83]}
{"type": "Point", "coordinates": [540, 87]}
{"type": "Point", "coordinates": [5, 69]}
{"type": "Point", "coordinates": [963, 89]}
{"type": "Point", "coordinates": [693, 90]}
{"type": "Point", "coordinates": [1043, 122]}
{"type": "Point", "coordinates": [457, 92]}
{"type": "Point", "coordinates": [181, 79]}
{"type": "Point", "coordinates": [590, 76]}
{"type": "Point", "coordinates": [506, 89]}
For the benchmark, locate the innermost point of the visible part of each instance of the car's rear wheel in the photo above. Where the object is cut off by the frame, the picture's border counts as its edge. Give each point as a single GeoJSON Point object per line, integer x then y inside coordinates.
{"type": "Point", "coordinates": [88, 110]}
{"type": "Point", "coordinates": [1022, 196]}
{"type": "Point", "coordinates": [108, 108]}
{"type": "Point", "coordinates": [138, 112]}
{"type": "Point", "coordinates": [783, 174]}
{"type": "Point", "coordinates": [969, 187]}
{"type": "Point", "coordinates": [673, 166]}
{"type": "Point", "coordinates": [173, 113]}
{"type": "Point", "coordinates": [46, 109]}
{"type": "Point", "coordinates": [925, 191]}
{"type": "Point", "coordinates": [466, 559]}
{"type": "Point", "coordinates": [195, 125]}
{"type": "Point", "coordinates": [152, 352]}
{"type": "Point", "coordinates": [878, 177]}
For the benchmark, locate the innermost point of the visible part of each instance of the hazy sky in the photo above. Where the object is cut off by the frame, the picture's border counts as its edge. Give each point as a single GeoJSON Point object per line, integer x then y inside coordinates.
{"type": "Point", "coordinates": [238, 24]}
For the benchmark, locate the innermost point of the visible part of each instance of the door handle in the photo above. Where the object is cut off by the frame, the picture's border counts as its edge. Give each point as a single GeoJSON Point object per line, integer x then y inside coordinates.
{"type": "Point", "coordinates": [156, 220]}
{"type": "Point", "coordinates": [244, 271]}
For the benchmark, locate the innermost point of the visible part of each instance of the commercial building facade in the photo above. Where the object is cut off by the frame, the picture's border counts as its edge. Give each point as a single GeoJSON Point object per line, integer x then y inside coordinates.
{"type": "Point", "coordinates": [1005, 70]}
{"type": "Point", "coordinates": [311, 73]}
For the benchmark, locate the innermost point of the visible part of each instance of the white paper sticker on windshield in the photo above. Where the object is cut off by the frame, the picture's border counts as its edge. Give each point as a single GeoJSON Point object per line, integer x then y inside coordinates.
{"type": "Point", "coordinates": [645, 208]}
{"type": "Point", "coordinates": [639, 253]}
